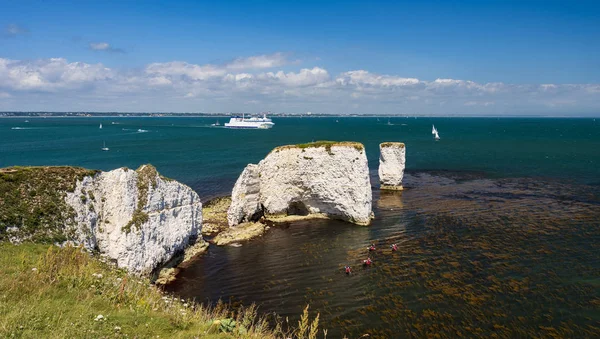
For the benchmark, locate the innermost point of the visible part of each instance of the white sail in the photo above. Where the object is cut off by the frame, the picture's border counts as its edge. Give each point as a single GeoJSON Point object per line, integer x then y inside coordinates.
{"type": "Point", "coordinates": [437, 136]}
{"type": "Point", "coordinates": [100, 126]}
{"type": "Point", "coordinates": [433, 130]}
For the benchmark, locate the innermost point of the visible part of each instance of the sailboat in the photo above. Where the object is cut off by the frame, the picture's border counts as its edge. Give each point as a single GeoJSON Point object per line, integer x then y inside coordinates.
{"type": "Point", "coordinates": [435, 133]}
{"type": "Point", "coordinates": [100, 126]}
{"type": "Point", "coordinates": [216, 123]}
{"type": "Point", "coordinates": [104, 148]}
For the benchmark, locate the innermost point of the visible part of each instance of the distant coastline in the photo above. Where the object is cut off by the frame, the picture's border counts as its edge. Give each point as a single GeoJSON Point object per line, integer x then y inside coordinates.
{"type": "Point", "coordinates": [9, 114]}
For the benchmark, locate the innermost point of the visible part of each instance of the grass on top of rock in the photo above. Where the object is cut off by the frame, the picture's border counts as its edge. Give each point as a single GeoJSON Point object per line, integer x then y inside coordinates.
{"type": "Point", "coordinates": [32, 202]}
{"type": "Point", "coordinates": [53, 292]}
{"type": "Point", "coordinates": [392, 144]}
{"type": "Point", "coordinates": [324, 143]}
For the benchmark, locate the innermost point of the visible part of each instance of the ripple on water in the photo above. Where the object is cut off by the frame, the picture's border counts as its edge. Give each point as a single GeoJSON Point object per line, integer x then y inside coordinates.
{"type": "Point", "coordinates": [477, 257]}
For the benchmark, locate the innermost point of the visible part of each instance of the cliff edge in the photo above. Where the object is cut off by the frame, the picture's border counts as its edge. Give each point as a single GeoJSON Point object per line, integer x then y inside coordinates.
{"type": "Point", "coordinates": [138, 219]}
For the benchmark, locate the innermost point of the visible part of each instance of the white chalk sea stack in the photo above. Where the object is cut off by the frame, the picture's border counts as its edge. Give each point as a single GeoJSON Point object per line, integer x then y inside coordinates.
{"type": "Point", "coordinates": [392, 159]}
{"type": "Point", "coordinates": [137, 218]}
{"type": "Point", "coordinates": [321, 179]}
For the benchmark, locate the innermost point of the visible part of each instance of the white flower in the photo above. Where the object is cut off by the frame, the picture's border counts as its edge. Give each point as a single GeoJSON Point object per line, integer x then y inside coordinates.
{"type": "Point", "coordinates": [117, 328]}
{"type": "Point", "coordinates": [99, 317]}
{"type": "Point", "coordinates": [34, 269]}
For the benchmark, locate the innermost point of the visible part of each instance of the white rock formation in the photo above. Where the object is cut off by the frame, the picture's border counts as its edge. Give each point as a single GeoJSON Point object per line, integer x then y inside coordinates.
{"type": "Point", "coordinates": [136, 218]}
{"type": "Point", "coordinates": [392, 159]}
{"type": "Point", "coordinates": [246, 190]}
{"type": "Point", "coordinates": [319, 179]}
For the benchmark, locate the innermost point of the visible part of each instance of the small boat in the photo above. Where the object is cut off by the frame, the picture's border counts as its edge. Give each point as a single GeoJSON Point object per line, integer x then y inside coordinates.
{"type": "Point", "coordinates": [28, 120]}
{"type": "Point", "coordinates": [100, 126]}
{"type": "Point", "coordinates": [104, 148]}
{"type": "Point", "coordinates": [216, 123]}
{"type": "Point", "coordinates": [389, 123]}
{"type": "Point", "coordinates": [434, 131]}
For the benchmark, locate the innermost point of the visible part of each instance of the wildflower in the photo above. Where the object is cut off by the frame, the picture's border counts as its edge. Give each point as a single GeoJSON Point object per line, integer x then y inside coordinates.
{"type": "Point", "coordinates": [185, 305]}
{"type": "Point", "coordinates": [99, 317]}
{"type": "Point", "coordinates": [117, 328]}
{"type": "Point", "coordinates": [34, 269]}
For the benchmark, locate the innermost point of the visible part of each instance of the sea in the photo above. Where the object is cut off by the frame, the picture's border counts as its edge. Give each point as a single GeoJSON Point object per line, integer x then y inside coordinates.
{"type": "Point", "coordinates": [498, 227]}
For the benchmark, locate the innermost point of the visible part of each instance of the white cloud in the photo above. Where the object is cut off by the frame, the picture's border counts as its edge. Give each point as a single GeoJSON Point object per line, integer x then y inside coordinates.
{"type": "Point", "coordinates": [306, 77]}
{"type": "Point", "coordinates": [187, 71]}
{"type": "Point", "coordinates": [50, 74]}
{"type": "Point", "coordinates": [364, 78]}
{"type": "Point", "coordinates": [234, 85]}
{"type": "Point", "coordinates": [257, 62]}
{"type": "Point", "coordinates": [105, 46]}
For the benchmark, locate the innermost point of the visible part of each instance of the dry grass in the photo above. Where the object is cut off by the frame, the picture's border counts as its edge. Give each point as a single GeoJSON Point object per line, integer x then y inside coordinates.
{"type": "Point", "coordinates": [51, 292]}
{"type": "Point", "coordinates": [392, 144]}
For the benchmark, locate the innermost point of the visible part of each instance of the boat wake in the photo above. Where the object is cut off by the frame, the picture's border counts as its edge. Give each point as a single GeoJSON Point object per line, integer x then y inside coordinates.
{"type": "Point", "coordinates": [136, 130]}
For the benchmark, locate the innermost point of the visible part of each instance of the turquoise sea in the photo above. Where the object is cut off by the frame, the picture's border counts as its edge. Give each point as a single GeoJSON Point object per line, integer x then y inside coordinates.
{"type": "Point", "coordinates": [209, 159]}
{"type": "Point", "coordinates": [498, 228]}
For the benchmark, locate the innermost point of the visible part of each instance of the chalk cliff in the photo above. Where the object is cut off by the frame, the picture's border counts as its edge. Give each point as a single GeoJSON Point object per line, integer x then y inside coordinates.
{"type": "Point", "coordinates": [321, 179]}
{"type": "Point", "coordinates": [137, 218]}
{"type": "Point", "coordinates": [392, 159]}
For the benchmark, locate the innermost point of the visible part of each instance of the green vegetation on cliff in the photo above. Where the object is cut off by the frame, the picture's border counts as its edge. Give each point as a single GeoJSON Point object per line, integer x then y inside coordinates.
{"type": "Point", "coordinates": [146, 177]}
{"type": "Point", "coordinates": [32, 201]}
{"type": "Point", "coordinates": [52, 292]}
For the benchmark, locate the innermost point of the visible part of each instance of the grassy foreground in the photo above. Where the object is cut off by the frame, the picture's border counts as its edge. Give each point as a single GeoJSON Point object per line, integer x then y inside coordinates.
{"type": "Point", "coordinates": [52, 292]}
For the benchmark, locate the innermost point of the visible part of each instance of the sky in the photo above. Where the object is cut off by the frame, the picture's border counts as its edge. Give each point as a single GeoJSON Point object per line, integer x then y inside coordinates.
{"type": "Point", "coordinates": [338, 57]}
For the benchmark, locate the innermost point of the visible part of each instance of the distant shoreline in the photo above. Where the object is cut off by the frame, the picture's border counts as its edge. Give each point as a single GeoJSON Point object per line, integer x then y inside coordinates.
{"type": "Point", "coordinates": [276, 115]}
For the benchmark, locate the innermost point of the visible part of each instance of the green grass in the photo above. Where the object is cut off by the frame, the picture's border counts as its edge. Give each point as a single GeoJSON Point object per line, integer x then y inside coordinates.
{"type": "Point", "coordinates": [52, 292]}
{"type": "Point", "coordinates": [324, 143]}
{"type": "Point", "coordinates": [32, 201]}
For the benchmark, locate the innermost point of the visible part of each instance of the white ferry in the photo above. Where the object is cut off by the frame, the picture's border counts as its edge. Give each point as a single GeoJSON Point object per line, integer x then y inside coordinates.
{"type": "Point", "coordinates": [253, 122]}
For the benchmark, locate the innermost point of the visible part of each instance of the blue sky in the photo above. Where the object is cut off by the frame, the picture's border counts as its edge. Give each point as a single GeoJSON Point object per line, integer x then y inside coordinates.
{"type": "Point", "coordinates": [490, 57]}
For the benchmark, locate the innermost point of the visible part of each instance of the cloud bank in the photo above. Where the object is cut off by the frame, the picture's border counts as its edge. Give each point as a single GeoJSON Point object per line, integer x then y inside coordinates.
{"type": "Point", "coordinates": [258, 83]}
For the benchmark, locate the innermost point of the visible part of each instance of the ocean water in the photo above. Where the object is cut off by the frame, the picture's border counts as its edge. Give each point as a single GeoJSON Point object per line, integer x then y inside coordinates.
{"type": "Point", "coordinates": [498, 228]}
{"type": "Point", "coordinates": [209, 159]}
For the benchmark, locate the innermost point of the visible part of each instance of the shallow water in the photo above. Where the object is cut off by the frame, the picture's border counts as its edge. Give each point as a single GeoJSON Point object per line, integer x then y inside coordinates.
{"type": "Point", "coordinates": [477, 257]}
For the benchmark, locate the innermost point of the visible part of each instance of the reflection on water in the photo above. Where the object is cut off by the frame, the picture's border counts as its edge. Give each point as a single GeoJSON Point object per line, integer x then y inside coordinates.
{"type": "Point", "coordinates": [477, 257]}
